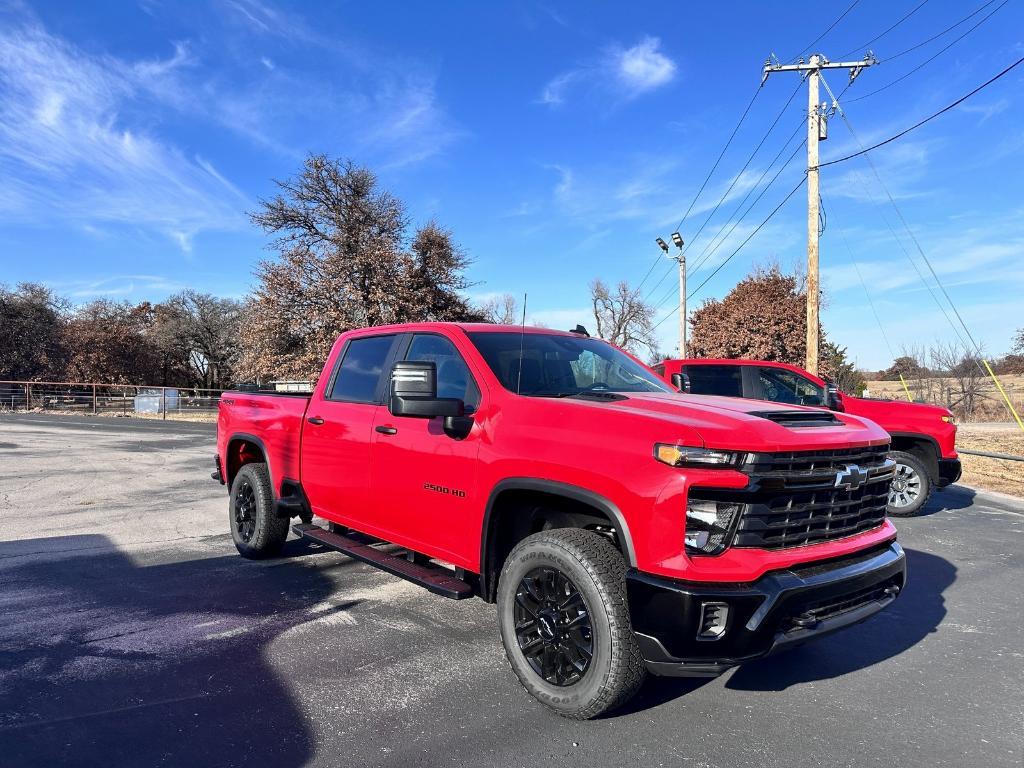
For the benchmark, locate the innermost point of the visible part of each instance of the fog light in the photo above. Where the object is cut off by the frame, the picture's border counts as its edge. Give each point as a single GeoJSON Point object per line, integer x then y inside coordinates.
{"type": "Point", "coordinates": [708, 525]}
{"type": "Point", "coordinates": [713, 620]}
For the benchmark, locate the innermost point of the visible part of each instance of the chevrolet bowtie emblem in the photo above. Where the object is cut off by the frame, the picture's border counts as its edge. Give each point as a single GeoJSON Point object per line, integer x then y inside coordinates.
{"type": "Point", "coordinates": [851, 477]}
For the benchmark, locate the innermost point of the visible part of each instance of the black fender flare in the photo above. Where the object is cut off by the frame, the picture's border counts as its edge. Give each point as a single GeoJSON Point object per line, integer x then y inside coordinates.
{"type": "Point", "coordinates": [555, 488]}
{"type": "Point", "coordinates": [930, 441]}
{"type": "Point", "coordinates": [250, 439]}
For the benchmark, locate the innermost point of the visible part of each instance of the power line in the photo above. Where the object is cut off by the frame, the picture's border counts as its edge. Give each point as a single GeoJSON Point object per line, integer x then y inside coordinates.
{"type": "Point", "coordinates": [947, 30]}
{"type": "Point", "coordinates": [725, 194]}
{"type": "Point", "coordinates": [876, 38]}
{"type": "Point", "coordinates": [918, 124]}
{"type": "Point", "coordinates": [737, 176]}
{"type": "Point", "coordinates": [707, 178]}
{"type": "Point", "coordinates": [738, 249]}
{"type": "Point", "coordinates": [934, 56]}
{"type": "Point", "coordinates": [913, 238]}
{"type": "Point", "coordinates": [831, 26]}
{"type": "Point", "coordinates": [710, 248]}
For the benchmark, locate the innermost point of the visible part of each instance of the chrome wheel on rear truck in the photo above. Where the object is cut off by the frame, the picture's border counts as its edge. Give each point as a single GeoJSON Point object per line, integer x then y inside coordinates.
{"type": "Point", "coordinates": [911, 485]}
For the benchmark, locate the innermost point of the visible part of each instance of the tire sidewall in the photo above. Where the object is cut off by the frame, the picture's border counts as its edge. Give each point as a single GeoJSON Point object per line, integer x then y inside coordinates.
{"type": "Point", "coordinates": [914, 463]}
{"type": "Point", "coordinates": [259, 545]}
{"type": "Point", "coordinates": [543, 554]}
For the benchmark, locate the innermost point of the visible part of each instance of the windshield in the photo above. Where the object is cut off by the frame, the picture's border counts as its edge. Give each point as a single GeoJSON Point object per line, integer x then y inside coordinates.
{"type": "Point", "coordinates": [546, 365]}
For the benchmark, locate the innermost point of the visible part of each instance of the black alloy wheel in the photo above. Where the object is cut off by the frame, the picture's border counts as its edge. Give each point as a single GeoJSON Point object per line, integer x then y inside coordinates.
{"type": "Point", "coordinates": [553, 626]}
{"type": "Point", "coordinates": [245, 511]}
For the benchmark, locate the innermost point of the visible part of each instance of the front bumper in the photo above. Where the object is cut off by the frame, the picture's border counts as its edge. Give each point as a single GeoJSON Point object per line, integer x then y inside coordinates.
{"type": "Point", "coordinates": [781, 609]}
{"type": "Point", "coordinates": [949, 472]}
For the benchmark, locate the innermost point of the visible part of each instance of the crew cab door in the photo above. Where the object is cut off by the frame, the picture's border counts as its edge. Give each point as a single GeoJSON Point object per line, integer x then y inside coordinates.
{"type": "Point", "coordinates": [337, 434]}
{"type": "Point", "coordinates": [423, 481]}
{"type": "Point", "coordinates": [781, 385]}
{"type": "Point", "coordinates": [722, 380]}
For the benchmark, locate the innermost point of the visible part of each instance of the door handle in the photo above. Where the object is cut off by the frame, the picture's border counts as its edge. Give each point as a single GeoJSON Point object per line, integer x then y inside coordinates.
{"type": "Point", "coordinates": [386, 430]}
{"type": "Point", "coordinates": [315, 420]}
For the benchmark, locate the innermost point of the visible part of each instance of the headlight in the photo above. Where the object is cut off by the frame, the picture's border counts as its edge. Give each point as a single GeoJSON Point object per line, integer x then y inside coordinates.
{"type": "Point", "coordinates": [686, 456]}
{"type": "Point", "coordinates": [708, 525]}
{"type": "Point", "coordinates": [949, 419]}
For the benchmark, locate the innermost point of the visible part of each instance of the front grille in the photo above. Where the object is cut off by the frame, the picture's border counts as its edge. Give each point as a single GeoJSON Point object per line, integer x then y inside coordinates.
{"type": "Point", "coordinates": [807, 497]}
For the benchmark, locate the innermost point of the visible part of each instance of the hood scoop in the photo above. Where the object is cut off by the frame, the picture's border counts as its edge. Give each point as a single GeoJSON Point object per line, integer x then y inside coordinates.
{"type": "Point", "coordinates": [799, 419]}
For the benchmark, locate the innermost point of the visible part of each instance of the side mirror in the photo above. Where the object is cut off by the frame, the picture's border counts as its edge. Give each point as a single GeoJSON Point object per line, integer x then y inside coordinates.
{"type": "Point", "coordinates": [414, 392]}
{"type": "Point", "coordinates": [833, 397]}
{"type": "Point", "coordinates": [681, 382]}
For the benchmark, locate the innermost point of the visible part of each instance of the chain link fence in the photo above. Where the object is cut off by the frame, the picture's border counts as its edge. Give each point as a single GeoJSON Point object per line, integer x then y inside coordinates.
{"type": "Point", "coordinates": [189, 404]}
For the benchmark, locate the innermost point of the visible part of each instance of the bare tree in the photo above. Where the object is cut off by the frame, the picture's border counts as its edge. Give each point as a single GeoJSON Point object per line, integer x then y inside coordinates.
{"type": "Point", "coordinates": [342, 263]}
{"type": "Point", "coordinates": [501, 310]}
{"type": "Point", "coordinates": [31, 333]}
{"type": "Point", "coordinates": [622, 317]}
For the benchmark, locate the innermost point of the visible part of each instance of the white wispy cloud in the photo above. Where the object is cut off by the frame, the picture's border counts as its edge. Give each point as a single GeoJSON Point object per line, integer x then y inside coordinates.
{"type": "Point", "coordinates": [625, 73]}
{"type": "Point", "coordinates": [67, 148]}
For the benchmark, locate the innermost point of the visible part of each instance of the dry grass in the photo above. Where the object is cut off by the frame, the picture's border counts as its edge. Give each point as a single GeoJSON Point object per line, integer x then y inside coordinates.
{"type": "Point", "coordinates": [991, 408]}
{"type": "Point", "coordinates": [992, 474]}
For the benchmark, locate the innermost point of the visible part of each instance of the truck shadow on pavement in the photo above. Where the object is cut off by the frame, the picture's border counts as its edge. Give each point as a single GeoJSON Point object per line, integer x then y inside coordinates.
{"type": "Point", "coordinates": [948, 499]}
{"type": "Point", "coordinates": [106, 660]}
{"type": "Point", "coordinates": [916, 613]}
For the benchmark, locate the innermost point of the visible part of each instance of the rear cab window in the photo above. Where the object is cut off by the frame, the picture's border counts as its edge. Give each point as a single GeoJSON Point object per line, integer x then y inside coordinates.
{"type": "Point", "coordinates": [359, 375]}
{"type": "Point", "coordinates": [722, 380]}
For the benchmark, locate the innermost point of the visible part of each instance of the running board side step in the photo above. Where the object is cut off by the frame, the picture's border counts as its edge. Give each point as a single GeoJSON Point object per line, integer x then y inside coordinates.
{"type": "Point", "coordinates": [433, 578]}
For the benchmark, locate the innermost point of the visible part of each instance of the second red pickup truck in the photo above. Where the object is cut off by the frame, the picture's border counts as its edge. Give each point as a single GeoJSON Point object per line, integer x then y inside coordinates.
{"type": "Point", "coordinates": [923, 435]}
{"type": "Point", "coordinates": [620, 526]}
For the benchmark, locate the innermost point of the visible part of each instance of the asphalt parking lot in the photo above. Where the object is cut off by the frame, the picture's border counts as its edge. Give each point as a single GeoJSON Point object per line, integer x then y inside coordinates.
{"type": "Point", "coordinates": [132, 634]}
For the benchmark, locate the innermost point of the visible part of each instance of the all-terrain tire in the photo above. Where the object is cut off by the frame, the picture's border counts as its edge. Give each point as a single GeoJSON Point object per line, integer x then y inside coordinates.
{"type": "Point", "coordinates": [255, 527]}
{"type": "Point", "coordinates": [911, 487]}
{"type": "Point", "coordinates": [590, 564]}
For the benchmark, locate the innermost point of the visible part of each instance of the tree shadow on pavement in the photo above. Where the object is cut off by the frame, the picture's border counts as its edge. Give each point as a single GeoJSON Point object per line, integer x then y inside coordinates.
{"type": "Point", "coordinates": [914, 615]}
{"type": "Point", "coordinates": [106, 661]}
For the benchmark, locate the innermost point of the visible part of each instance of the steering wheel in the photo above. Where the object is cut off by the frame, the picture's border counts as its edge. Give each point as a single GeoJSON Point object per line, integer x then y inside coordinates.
{"type": "Point", "coordinates": [597, 385]}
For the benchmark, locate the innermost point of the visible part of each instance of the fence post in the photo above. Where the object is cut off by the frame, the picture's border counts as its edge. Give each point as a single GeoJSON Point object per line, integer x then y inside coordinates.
{"type": "Point", "coordinates": [94, 408]}
{"type": "Point", "coordinates": [28, 397]}
{"type": "Point", "coordinates": [163, 402]}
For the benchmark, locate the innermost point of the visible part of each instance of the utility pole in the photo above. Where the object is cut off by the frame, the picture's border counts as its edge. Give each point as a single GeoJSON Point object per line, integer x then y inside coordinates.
{"type": "Point", "coordinates": [817, 130]}
{"type": "Point", "coordinates": [679, 259]}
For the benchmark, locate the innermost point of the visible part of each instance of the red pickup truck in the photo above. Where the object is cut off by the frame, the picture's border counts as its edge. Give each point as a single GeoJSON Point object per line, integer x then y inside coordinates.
{"type": "Point", "coordinates": [620, 526]}
{"type": "Point", "coordinates": [923, 436]}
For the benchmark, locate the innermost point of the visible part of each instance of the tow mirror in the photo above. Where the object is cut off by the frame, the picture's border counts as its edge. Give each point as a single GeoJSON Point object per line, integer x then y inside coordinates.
{"type": "Point", "coordinates": [833, 397]}
{"type": "Point", "coordinates": [681, 382]}
{"type": "Point", "coordinates": [414, 392]}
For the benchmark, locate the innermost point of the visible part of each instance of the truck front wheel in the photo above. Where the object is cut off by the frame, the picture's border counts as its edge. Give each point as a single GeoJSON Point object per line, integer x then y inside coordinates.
{"type": "Point", "coordinates": [911, 486]}
{"type": "Point", "coordinates": [564, 622]}
{"type": "Point", "coordinates": [255, 528]}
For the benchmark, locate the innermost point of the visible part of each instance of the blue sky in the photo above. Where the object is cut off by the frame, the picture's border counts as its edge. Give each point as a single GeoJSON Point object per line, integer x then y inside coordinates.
{"type": "Point", "coordinates": [557, 141]}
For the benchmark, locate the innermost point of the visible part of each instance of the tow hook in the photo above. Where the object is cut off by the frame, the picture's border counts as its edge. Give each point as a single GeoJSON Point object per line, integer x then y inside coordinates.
{"type": "Point", "coordinates": [891, 591]}
{"type": "Point", "coordinates": [805, 621]}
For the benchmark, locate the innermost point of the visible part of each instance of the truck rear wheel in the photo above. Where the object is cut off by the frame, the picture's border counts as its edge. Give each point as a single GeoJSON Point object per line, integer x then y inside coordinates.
{"type": "Point", "coordinates": [255, 528]}
{"type": "Point", "coordinates": [911, 486]}
{"type": "Point", "coordinates": [564, 622]}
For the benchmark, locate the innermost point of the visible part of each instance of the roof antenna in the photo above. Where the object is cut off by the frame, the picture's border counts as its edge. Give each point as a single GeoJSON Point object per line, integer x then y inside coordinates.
{"type": "Point", "coordinates": [522, 337]}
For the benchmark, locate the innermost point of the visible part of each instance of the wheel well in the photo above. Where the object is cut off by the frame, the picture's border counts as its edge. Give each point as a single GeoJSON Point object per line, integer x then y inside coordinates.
{"type": "Point", "coordinates": [921, 447]}
{"type": "Point", "coordinates": [516, 514]}
{"type": "Point", "coordinates": [241, 451]}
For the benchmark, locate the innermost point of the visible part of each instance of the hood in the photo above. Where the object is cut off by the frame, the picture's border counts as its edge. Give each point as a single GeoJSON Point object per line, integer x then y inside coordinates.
{"type": "Point", "coordinates": [734, 424]}
{"type": "Point", "coordinates": [906, 409]}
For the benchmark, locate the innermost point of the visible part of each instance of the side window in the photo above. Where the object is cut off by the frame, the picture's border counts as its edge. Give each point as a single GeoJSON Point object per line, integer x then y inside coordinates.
{"type": "Point", "coordinates": [361, 369]}
{"type": "Point", "coordinates": [453, 377]}
{"type": "Point", "coordinates": [782, 386]}
{"type": "Point", "coordinates": [722, 380]}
